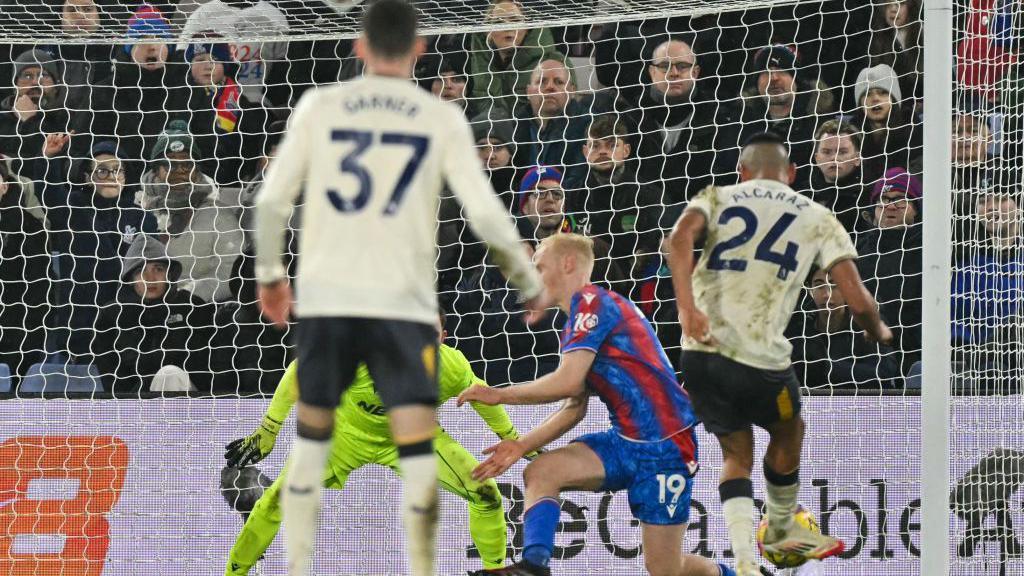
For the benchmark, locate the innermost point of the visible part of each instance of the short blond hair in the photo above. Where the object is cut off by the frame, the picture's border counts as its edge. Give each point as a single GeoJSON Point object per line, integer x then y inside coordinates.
{"type": "Point", "coordinates": [569, 243]}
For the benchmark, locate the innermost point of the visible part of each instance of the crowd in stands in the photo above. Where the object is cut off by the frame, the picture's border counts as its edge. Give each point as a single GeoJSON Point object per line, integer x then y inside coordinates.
{"type": "Point", "coordinates": [128, 174]}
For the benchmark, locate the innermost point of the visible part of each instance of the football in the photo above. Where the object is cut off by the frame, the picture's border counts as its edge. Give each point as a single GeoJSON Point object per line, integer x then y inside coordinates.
{"type": "Point", "coordinates": [803, 517]}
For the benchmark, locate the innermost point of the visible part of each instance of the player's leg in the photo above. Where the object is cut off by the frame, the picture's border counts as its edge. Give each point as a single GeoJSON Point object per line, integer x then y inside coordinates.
{"type": "Point", "coordinates": [736, 492]}
{"type": "Point", "coordinates": [663, 557]}
{"type": "Point", "coordinates": [402, 360]}
{"type": "Point", "coordinates": [326, 366]}
{"type": "Point", "coordinates": [715, 386]}
{"type": "Point", "coordinates": [782, 472]}
{"type": "Point", "coordinates": [486, 515]}
{"type": "Point", "coordinates": [264, 522]}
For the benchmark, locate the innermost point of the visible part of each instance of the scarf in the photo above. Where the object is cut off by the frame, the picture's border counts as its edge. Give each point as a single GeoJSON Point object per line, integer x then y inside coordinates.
{"type": "Point", "coordinates": [225, 103]}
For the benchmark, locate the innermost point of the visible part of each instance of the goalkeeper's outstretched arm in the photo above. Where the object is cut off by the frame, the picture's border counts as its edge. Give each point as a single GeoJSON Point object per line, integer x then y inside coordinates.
{"type": "Point", "coordinates": [258, 445]}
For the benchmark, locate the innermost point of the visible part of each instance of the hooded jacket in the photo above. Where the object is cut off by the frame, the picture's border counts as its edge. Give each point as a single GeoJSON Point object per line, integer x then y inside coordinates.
{"type": "Point", "coordinates": [136, 337]}
{"type": "Point", "coordinates": [24, 139]}
{"type": "Point", "coordinates": [502, 83]}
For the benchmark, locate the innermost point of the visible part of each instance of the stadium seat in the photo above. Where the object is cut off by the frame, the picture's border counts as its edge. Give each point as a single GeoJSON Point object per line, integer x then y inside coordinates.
{"type": "Point", "coordinates": [61, 378]}
{"type": "Point", "coordinates": [914, 376]}
{"type": "Point", "coordinates": [5, 378]}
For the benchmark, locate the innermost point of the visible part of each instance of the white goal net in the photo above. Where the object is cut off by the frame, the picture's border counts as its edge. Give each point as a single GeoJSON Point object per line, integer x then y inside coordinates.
{"type": "Point", "coordinates": [135, 137]}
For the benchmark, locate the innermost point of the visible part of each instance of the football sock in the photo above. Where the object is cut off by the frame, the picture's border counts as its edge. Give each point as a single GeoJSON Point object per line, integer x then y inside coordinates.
{"type": "Point", "coordinates": [419, 504]}
{"type": "Point", "coordinates": [539, 525]}
{"type": "Point", "coordinates": [300, 501]}
{"type": "Point", "coordinates": [488, 531]}
{"type": "Point", "coordinates": [738, 508]}
{"type": "Point", "coordinates": [725, 570]}
{"type": "Point", "coordinates": [781, 492]}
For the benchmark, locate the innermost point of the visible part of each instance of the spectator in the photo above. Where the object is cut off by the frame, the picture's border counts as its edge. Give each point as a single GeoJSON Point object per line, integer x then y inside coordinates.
{"type": "Point", "coordinates": [982, 57]}
{"type": "Point", "coordinates": [262, 66]}
{"type": "Point", "coordinates": [204, 236]}
{"type": "Point", "coordinates": [446, 78]}
{"type": "Point", "coordinates": [153, 335]}
{"type": "Point", "coordinates": [36, 108]}
{"type": "Point", "coordinates": [832, 350]}
{"type": "Point", "coordinates": [687, 139]}
{"type": "Point", "coordinates": [92, 223]}
{"type": "Point", "coordinates": [896, 42]}
{"type": "Point", "coordinates": [542, 210]}
{"type": "Point", "coordinates": [496, 147]}
{"type": "Point", "coordinates": [836, 180]}
{"type": "Point", "coordinates": [85, 63]}
{"type": "Point", "coordinates": [552, 123]}
{"type": "Point", "coordinates": [501, 61]}
{"type": "Point", "coordinates": [782, 101]}
{"type": "Point", "coordinates": [146, 88]}
{"type": "Point", "coordinates": [890, 259]}
{"type": "Point", "coordinates": [23, 276]}
{"type": "Point", "coordinates": [988, 289]}
{"type": "Point", "coordinates": [891, 136]}
{"type": "Point", "coordinates": [227, 129]}
{"type": "Point", "coordinates": [612, 205]}
{"type": "Point", "coordinates": [972, 168]}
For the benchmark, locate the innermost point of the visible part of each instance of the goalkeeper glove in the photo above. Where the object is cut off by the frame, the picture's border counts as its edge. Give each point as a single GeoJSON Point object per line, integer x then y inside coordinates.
{"type": "Point", "coordinates": [255, 447]}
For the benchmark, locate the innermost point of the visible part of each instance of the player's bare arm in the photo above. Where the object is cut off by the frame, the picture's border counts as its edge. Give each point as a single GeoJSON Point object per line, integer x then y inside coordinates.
{"type": "Point", "coordinates": [688, 229]}
{"type": "Point", "coordinates": [507, 452]}
{"type": "Point", "coordinates": [861, 303]}
{"type": "Point", "coordinates": [567, 381]}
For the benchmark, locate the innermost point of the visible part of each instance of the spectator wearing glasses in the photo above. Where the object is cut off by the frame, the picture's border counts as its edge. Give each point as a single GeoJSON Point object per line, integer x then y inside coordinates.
{"type": "Point", "coordinates": [890, 261]}
{"type": "Point", "coordinates": [687, 139]}
{"type": "Point", "coordinates": [36, 108]}
{"type": "Point", "coordinates": [203, 235]}
{"type": "Point", "coordinates": [93, 219]}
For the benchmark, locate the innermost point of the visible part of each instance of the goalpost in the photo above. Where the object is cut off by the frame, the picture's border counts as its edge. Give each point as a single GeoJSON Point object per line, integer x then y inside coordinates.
{"type": "Point", "coordinates": [107, 484]}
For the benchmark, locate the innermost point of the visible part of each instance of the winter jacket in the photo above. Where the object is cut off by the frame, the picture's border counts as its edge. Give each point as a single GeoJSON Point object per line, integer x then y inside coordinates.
{"type": "Point", "coordinates": [502, 83]}
{"type": "Point", "coordinates": [987, 297]}
{"type": "Point", "coordinates": [890, 264]}
{"type": "Point", "coordinates": [202, 234]}
{"type": "Point", "coordinates": [558, 143]}
{"type": "Point", "coordinates": [23, 282]}
{"type": "Point", "coordinates": [621, 212]}
{"type": "Point", "coordinates": [705, 152]}
{"type": "Point", "coordinates": [847, 197]}
{"type": "Point", "coordinates": [900, 145]}
{"type": "Point", "coordinates": [134, 337]}
{"type": "Point", "coordinates": [90, 234]}
{"type": "Point", "coordinates": [843, 358]}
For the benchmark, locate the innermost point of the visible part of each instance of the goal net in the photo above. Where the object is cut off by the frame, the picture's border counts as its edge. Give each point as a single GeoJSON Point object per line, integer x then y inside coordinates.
{"type": "Point", "coordinates": [135, 137]}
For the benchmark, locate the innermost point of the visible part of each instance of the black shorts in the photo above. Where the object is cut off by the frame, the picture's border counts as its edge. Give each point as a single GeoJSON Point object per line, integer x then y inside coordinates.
{"type": "Point", "coordinates": [401, 357]}
{"type": "Point", "coordinates": [729, 396]}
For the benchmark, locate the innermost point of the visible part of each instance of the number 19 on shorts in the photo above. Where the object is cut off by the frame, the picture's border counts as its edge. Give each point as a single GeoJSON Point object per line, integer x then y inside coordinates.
{"type": "Point", "coordinates": [674, 484]}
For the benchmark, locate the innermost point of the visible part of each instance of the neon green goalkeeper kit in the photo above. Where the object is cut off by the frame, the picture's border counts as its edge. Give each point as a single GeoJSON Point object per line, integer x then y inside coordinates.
{"type": "Point", "coordinates": [361, 437]}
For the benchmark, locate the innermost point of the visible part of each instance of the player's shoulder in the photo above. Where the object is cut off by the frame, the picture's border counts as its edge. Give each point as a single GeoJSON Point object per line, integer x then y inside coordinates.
{"type": "Point", "coordinates": [451, 355]}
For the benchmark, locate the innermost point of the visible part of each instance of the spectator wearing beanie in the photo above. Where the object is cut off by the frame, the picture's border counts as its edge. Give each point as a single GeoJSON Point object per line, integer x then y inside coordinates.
{"type": "Point", "coordinates": [147, 87]}
{"type": "Point", "coordinates": [93, 220]}
{"type": "Point", "coordinates": [781, 98]}
{"type": "Point", "coordinates": [152, 331]}
{"type": "Point", "coordinates": [446, 77]}
{"type": "Point", "coordinates": [228, 130]}
{"type": "Point", "coordinates": [36, 108]}
{"type": "Point", "coordinates": [202, 234]}
{"type": "Point", "coordinates": [891, 136]}
{"type": "Point", "coordinates": [496, 147]}
{"type": "Point", "coordinates": [890, 261]}
{"type": "Point", "coordinates": [24, 285]}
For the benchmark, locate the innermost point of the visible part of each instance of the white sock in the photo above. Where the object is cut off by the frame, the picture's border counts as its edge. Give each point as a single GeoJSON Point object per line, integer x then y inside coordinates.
{"type": "Point", "coordinates": [419, 510]}
{"type": "Point", "coordinates": [780, 505]}
{"type": "Point", "coordinates": [739, 518]}
{"type": "Point", "coordinates": [300, 502]}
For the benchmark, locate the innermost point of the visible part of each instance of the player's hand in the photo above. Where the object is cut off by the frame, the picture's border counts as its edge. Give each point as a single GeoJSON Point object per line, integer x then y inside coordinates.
{"type": "Point", "coordinates": [537, 307]}
{"type": "Point", "coordinates": [502, 455]}
{"type": "Point", "coordinates": [480, 393]}
{"type": "Point", "coordinates": [276, 302]}
{"type": "Point", "coordinates": [696, 325]}
{"type": "Point", "coordinates": [254, 447]}
{"type": "Point", "coordinates": [881, 334]}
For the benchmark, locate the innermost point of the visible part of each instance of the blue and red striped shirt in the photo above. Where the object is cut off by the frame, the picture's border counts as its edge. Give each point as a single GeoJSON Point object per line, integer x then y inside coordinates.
{"type": "Point", "coordinates": [631, 373]}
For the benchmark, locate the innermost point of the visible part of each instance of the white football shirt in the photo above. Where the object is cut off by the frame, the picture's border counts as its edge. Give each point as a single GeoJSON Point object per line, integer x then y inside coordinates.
{"type": "Point", "coordinates": [762, 239]}
{"type": "Point", "coordinates": [372, 156]}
